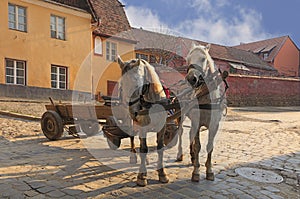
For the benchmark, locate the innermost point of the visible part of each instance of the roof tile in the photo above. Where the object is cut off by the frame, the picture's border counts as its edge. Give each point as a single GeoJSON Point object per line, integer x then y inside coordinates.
{"type": "Point", "coordinates": [273, 44]}
{"type": "Point", "coordinates": [149, 40]}
{"type": "Point", "coordinates": [112, 18]}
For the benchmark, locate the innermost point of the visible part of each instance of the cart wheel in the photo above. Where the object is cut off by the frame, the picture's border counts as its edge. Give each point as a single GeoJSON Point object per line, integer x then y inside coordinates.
{"type": "Point", "coordinates": [112, 121]}
{"type": "Point", "coordinates": [52, 125]}
{"type": "Point", "coordinates": [113, 142]}
{"type": "Point", "coordinates": [171, 135]}
{"type": "Point", "coordinates": [90, 128]}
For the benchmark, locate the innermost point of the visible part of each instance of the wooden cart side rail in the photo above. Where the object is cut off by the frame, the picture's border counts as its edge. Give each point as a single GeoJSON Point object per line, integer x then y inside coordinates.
{"type": "Point", "coordinates": [81, 111]}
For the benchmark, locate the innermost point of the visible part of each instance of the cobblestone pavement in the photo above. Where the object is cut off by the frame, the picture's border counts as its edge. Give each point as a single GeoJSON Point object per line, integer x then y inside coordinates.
{"type": "Point", "coordinates": [265, 138]}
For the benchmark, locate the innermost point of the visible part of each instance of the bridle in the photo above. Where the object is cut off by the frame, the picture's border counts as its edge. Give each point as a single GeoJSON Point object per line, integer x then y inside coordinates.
{"type": "Point", "coordinates": [200, 81]}
{"type": "Point", "coordinates": [210, 77]}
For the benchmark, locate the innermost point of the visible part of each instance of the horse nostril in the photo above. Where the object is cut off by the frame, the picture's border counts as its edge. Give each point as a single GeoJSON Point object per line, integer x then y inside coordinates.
{"type": "Point", "coordinates": [193, 80]}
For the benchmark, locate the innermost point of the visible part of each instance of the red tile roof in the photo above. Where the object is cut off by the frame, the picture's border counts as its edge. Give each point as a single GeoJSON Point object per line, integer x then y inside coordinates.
{"type": "Point", "coordinates": [81, 4]}
{"type": "Point", "coordinates": [272, 46]}
{"type": "Point", "coordinates": [152, 40]}
{"type": "Point", "coordinates": [113, 19]}
{"type": "Point", "coordinates": [110, 15]}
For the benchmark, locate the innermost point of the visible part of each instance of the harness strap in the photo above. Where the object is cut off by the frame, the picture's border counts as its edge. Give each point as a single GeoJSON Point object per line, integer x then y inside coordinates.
{"type": "Point", "coordinates": [131, 103]}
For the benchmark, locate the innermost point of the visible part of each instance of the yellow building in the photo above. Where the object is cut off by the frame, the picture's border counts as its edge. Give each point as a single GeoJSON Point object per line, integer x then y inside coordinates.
{"type": "Point", "coordinates": [60, 46]}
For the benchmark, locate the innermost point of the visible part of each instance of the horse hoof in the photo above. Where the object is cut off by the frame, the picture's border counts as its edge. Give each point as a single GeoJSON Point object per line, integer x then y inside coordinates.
{"type": "Point", "coordinates": [133, 159]}
{"type": "Point", "coordinates": [141, 182]}
{"type": "Point", "coordinates": [163, 179]}
{"type": "Point", "coordinates": [179, 158]}
{"type": "Point", "coordinates": [195, 177]}
{"type": "Point", "coordinates": [192, 161]}
{"type": "Point", "coordinates": [210, 176]}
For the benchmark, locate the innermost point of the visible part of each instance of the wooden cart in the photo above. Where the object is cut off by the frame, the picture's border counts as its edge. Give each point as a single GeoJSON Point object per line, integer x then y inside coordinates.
{"type": "Point", "coordinates": [73, 118]}
{"type": "Point", "coordinates": [78, 118]}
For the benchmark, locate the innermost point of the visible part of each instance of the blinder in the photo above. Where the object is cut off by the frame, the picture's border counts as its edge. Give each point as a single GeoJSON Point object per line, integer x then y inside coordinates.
{"type": "Point", "coordinates": [145, 90]}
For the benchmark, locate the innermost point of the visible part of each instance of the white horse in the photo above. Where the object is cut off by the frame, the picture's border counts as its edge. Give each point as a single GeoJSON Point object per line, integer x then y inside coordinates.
{"type": "Point", "coordinates": [200, 75]}
{"type": "Point", "coordinates": [142, 90]}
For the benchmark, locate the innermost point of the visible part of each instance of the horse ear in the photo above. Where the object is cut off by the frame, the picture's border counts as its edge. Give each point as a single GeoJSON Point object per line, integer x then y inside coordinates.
{"type": "Point", "coordinates": [207, 47]}
{"type": "Point", "coordinates": [138, 62]}
{"type": "Point", "coordinates": [120, 62]}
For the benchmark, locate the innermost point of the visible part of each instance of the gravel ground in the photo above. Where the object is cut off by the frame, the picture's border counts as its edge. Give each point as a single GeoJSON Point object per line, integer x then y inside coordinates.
{"type": "Point", "coordinates": [34, 108]}
{"type": "Point", "coordinates": [259, 137]}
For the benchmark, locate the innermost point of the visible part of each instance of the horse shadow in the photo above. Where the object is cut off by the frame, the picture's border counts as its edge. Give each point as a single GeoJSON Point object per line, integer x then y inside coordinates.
{"type": "Point", "coordinates": [64, 166]}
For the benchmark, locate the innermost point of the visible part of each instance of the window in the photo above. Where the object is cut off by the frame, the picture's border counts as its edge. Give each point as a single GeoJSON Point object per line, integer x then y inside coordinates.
{"type": "Point", "coordinates": [111, 51]}
{"type": "Point", "coordinates": [98, 46]}
{"type": "Point", "coordinates": [232, 70]}
{"type": "Point", "coordinates": [15, 72]}
{"type": "Point", "coordinates": [152, 59]}
{"type": "Point", "coordinates": [17, 18]}
{"type": "Point", "coordinates": [142, 56]}
{"type": "Point", "coordinates": [265, 55]}
{"type": "Point", "coordinates": [57, 27]}
{"type": "Point", "coordinates": [58, 77]}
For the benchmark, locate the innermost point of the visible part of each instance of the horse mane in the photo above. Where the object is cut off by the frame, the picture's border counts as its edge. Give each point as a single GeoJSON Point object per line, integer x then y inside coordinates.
{"type": "Point", "coordinates": [156, 91]}
{"type": "Point", "coordinates": [210, 61]}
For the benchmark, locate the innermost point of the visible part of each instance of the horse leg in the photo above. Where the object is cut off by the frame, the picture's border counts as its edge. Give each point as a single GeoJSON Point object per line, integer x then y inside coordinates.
{"type": "Point", "coordinates": [141, 178]}
{"type": "Point", "coordinates": [180, 153]}
{"type": "Point", "coordinates": [192, 152]}
{"type": "Point", "coordinates": [195, 147]}
{"type": "Point", "coordinates": [196, 163]}
{"type": "Point", "coordinates": [210, 146]}
{"type": "Point", "coordinates": [160, 150]}
{"type": "Point", "coordinates": [133, 158]}
{"type": "Point", "coordinates": [209, 173]}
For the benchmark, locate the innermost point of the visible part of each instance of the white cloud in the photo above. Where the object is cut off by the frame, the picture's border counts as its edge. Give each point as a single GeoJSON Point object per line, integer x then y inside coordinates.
{"type": "Point", "coordinates": [225, 31]}
{"type": "Point", "coordinates": [210, 23]}
{"type": "Point", "coordinates": [201, 5]}
{"type": "Point", "coordinates": [145, 18]}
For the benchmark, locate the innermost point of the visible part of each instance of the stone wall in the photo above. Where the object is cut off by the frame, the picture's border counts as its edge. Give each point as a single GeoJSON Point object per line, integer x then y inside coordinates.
{"type": "Point", "coordinates": [263, 91]}
{"type": "Point", "coordinates": [37, 93]}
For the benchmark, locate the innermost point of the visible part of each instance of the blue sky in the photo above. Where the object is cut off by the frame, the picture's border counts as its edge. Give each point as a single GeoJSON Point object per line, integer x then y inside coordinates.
{"type": "Point", "coordinates": [226, 22]}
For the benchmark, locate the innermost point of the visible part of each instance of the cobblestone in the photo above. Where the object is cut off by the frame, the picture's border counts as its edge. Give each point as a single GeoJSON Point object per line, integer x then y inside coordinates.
{"type": "Point", "coordinates": [33, 167]}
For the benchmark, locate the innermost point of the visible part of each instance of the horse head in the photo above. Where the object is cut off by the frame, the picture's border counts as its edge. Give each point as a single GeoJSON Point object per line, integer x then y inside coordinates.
{"type": "Point", "coordinates": [200, 65]}
{"type": "Point", "coordinates": [139, 80]}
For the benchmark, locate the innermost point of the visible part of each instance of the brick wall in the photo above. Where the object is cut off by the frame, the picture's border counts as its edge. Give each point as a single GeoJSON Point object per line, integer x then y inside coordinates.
{"type": "Point", "coordinates": [263, 91]}
{"type": "Point", "coordinates": [243, 91]}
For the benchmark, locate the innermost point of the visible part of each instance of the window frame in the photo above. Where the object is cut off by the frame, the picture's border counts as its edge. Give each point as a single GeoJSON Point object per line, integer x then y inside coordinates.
{"type": "Point", "coordinates": [57, 74]}
{"type": "Point", "coordinates": [15, 70]}
{"type": "Point", "coordinates": [265, 55]}
{"type": "Point", "coordinates": [98, 47]}
{"type": "Point", "coordinates": [16, 20]}
{"type": "Point", "coordinates": [152, 59]}
{"type": "Point", "coordinates": [56, 26]}
{"type": "Point", "coordinates": [109, 51]}
{"type": "Point", "coordinates": [142, 56]}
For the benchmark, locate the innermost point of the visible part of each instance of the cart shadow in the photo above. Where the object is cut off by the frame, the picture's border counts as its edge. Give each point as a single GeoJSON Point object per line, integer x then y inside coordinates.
{"type": "Point", "coordinates": [66, 167]}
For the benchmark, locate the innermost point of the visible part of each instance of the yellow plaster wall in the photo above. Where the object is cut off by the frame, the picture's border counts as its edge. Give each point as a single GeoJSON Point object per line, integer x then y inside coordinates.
{"type": "Point", "coordinates": [104, 70]}
{"type": "Point", "coordinates": [39, 50]}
